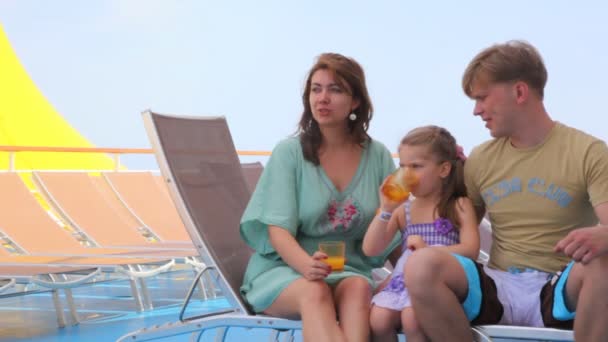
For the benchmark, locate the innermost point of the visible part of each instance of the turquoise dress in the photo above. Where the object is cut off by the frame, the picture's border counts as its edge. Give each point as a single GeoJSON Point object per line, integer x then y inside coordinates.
{"type": "Point", "coordinates": [296, 195]}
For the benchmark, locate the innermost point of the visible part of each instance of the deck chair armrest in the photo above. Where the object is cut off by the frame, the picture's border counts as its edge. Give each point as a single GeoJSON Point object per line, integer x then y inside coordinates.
{"type": "Point", "coordinates": [8, 285]}
{"type": "Point", "coordinates": [195, 263]}
{"type": "Point", "coordinates": [519, 332]}
{"type": "Point", "coordinates": [66, 284]}
{"type": "Point", "coordinates": [211, 322]}
{"type": "Point", "coordinates": [149, 273]}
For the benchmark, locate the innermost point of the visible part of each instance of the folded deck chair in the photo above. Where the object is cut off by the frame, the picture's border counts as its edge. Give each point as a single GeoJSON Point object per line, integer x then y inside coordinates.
{"type": "Point", "coordinates": [135, 269]}
{"type": "Point", "coordinates": [197, 157]}
{"type": "Point", "coordinates": [150, 204]}
{"type": "Point", "coordinates": [147, 198]}
{"type": "Point", "coordinates": [28, 229]}
{"type": "Point", "coordinates": [55, 278]}
{"type": "Point", "coordinates": [57, 272]}
{"type": "Point", "coordinates": [30, 238]}
{"type": "Point", "coordinates": [89, 205]}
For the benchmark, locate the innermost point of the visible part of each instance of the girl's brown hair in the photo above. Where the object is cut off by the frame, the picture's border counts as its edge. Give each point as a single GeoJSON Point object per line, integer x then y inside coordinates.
{"type": "Point", "coordinates": [442, 146]}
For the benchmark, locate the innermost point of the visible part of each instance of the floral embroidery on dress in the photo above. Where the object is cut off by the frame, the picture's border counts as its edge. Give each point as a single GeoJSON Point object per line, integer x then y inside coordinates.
{"type": "Point", "coordinates": [340, 215]}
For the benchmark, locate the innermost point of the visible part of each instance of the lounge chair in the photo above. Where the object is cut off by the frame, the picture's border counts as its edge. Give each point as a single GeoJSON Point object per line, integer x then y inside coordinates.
{"type": "Point", "coordinates": [27, 229]}
{"type": "Point", "coordinates": [197, 157]}
{"type": "Point", "coordinates": [55, 278]}
{"type": "Point", "coordinates": [149, 198]}
{"type": "Point", "coordinates": [56, 272]}
{"type": "Point", "coordinates": [34, 243]}
{"type": "Point", "coordinates": [149, 202]}
{"type": "Point", "coordinates": [199, 161]}
{"type": "Point", "coordinates": [89, 205]}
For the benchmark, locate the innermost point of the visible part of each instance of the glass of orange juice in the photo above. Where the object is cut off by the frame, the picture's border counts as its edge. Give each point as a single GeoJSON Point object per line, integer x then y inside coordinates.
{"type": "Point", "coordinates": [399, 186]}
{"type": "Point", "coordinates": [335, 254]}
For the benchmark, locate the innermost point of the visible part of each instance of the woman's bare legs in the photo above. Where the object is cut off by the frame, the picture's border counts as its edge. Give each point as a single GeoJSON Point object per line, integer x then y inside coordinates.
{"type": "Point", "coordinates": [312, 301]}
{"type": "Point", "coordinates": [384, 324]}
{"type": "Point", "coordinates": [353, 297]}
{"type": "Point", "coordinates": [411, 328]}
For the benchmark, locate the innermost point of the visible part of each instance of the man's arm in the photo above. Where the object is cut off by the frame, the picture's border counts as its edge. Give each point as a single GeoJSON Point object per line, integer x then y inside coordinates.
{"type": "Point", "coordinates": [584, 244]}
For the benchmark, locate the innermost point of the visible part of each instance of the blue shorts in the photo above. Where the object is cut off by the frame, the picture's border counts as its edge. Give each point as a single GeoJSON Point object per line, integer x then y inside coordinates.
{"type": "Point", "coordinates": [482, 306]}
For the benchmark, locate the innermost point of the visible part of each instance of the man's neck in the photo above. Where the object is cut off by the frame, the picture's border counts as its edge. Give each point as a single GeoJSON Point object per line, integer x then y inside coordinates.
{"type": "Point", "coordinates": [534, 130]}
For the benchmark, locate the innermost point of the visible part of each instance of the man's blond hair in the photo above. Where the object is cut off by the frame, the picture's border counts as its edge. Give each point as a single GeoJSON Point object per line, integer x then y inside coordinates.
{"type": "Point", "coordinates": [515, 60]}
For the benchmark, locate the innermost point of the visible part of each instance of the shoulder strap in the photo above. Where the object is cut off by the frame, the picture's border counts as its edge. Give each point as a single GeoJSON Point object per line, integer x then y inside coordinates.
{"type": "Point", "coordinates": [406, 206]}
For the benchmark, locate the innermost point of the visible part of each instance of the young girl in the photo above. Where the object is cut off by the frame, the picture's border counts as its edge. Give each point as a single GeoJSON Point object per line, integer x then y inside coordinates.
{"type": "Point", "coordinates": [439, 215]}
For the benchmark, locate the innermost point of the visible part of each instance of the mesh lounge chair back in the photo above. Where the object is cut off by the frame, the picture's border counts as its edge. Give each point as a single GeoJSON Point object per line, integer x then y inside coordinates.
{"type": "Point", "coordinates": [26, 222]}
{"type": "Point", "coordinates": [87, 203]}
{"type": "Point", "coordinates": [198, 160]}
{"type": "Point", "coordinates": [34, 233]}
{"type": "Point", "coordinates": [252, 173]}
{"type": "Point", "coordinates": [150, 202]}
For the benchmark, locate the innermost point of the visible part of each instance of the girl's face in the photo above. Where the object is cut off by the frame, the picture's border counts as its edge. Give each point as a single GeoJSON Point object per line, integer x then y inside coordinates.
{"type": "Point", "coordinates": [430, 173]}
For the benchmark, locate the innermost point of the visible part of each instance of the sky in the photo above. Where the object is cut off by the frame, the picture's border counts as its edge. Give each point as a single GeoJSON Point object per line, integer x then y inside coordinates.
{"type": "Point", "coordinates": [100, 63]}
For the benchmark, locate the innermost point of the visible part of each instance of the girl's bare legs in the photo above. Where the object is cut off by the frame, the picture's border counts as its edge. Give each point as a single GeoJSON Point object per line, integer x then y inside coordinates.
{"type": "Point", "coordinates": [384, 324]}
{"type": "Point", "coordinates": [312, 301]}
{"type": "Point", "coordinates": [353, 299]}
{"type": "Point", "coordinates": [411, 328]}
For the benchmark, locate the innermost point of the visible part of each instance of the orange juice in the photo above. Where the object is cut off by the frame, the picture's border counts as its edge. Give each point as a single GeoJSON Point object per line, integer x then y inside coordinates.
{"type": "Point", "coordinates": [395, 192]}
{"type": "Point", "coordinates": [336, 263]}
{"type": "Point", "coordinates": [398, 188]}
{"type": "Point", "coordinates": [335, 254]}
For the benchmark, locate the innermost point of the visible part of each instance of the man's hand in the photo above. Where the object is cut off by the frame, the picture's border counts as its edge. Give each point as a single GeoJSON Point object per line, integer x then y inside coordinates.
{"type": "Point", "coordinates": [584, 244]}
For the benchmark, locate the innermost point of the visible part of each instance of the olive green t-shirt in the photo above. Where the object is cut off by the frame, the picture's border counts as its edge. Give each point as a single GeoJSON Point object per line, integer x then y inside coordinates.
{"type": "Point", "coordinates": [535, 196]}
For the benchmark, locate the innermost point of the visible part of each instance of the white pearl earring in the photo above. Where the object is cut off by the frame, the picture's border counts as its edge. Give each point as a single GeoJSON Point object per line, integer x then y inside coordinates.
{"type": "Point", "coordinates": [352, 116]}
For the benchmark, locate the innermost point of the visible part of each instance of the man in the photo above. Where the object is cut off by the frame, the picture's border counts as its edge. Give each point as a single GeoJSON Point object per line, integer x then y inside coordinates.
{"type": "Point", "coordinates": [544, 186]}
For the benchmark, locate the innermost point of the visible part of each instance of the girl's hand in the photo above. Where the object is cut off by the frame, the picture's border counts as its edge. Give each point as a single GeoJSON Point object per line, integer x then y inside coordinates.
{"type": "Point", "coordinates": [415, 242]}
{"type": "Point", "coordinates": [315, 268]}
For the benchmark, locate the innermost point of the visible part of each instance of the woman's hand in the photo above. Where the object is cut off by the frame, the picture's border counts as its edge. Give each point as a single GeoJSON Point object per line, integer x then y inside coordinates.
{"type": "Point", "coordinates": [314, 268]}
{"type": "Point", "coordinates": [415, 242]}
{"type": "Point", "coordinates": [310, 267]}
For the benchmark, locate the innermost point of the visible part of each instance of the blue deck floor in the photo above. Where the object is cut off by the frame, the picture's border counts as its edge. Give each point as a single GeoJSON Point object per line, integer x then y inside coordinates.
{"type": "Point", "coordinates": [107, 311]}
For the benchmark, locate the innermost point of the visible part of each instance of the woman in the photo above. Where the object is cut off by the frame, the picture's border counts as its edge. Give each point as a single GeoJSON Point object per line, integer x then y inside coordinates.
{"type": "Point", "coordinates": [319, 186]}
